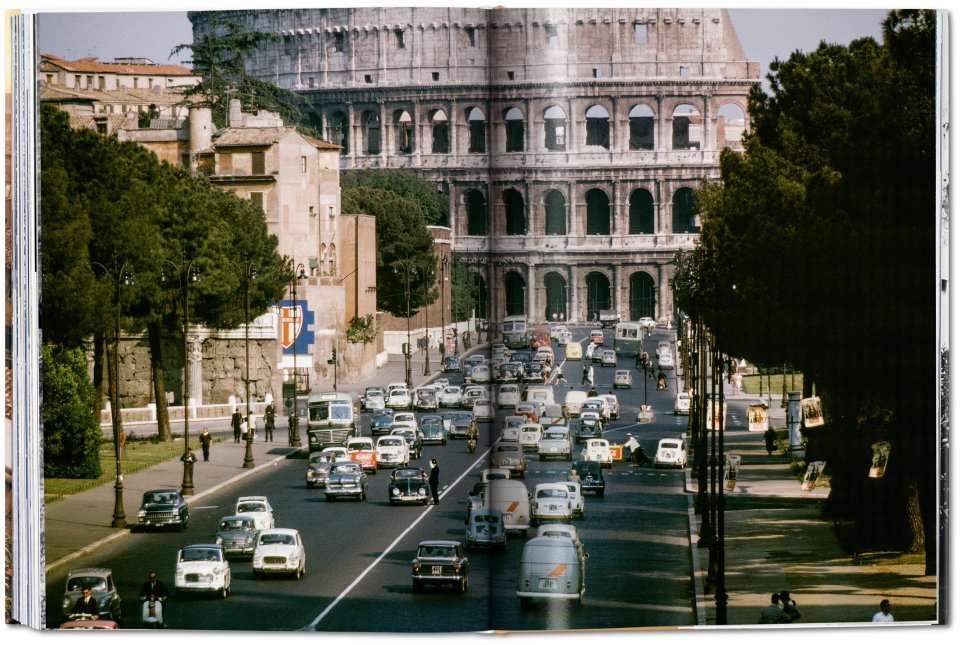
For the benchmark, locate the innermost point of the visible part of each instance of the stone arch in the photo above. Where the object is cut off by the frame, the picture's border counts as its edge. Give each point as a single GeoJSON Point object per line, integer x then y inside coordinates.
{"type": "Point", "coordinates": [641, 212]}
{"type": "Point", "coordinates": [515, 219]}
{"type": "Point", "coordinates": [371, 131]}
{"type": "Point", "coordinates": [598, 126]}
{"type": "Point", "coordinates": [477, 124]}
{"type": "Point", "coordinates": [687, 127]}
{"type": "Point", "coordinates": [643, 296]}
{"type": "Point", "coordinates": [338, 131]}
{"type": "Point", "coordinates": [332, 259]}
{"type": "Point", "coordinates": [641, 119]}
{"type": "Point", "coordinates": [598, 293]}
{"type": "Point", "coordinates": [555, 212]}
{"type": "Point", "coordinates": [555, 291]}
{"type": "Point", "coordinates": [555, 128]}
{"type": "Point", "coordinates": [513, 129]}
{"type": "Point", "coordinates": [403, 126]}
{"type": "Point", "coordinates": [731, 124]}
{"type": "Point", "coordinates": [439, 132]}
{"type": "Point", "coordinates": [323, 257]}
{"type": "Point", "coordinates": [684, 219]}
{"type": "Point", "coordinates": [514, 293]}
{"type": "Point", "coordinates": [475, 205]}
{"type": "Point", "coordinates": [598, 212]}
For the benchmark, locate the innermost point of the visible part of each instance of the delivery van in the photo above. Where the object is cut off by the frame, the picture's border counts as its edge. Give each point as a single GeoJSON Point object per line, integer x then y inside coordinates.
{"type": "Point", "coordinates": [512, 499]}
{"type": "Point", "coordinates": [573, 402]}
{"type": "Point", "coordinates": [551, 567]}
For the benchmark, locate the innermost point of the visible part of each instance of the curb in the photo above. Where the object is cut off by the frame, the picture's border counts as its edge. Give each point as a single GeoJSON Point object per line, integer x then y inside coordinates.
{"type": "Point", "coordinates": [698, 581]}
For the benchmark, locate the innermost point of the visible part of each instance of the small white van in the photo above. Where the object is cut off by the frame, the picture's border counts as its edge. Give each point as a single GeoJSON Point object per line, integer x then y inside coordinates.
{"type": "Point", "coordinates": [551, 567]}
{"type": "Point", "coordinates": [512, 499]}
{"type": "Point", "coordinates": [573, 402]}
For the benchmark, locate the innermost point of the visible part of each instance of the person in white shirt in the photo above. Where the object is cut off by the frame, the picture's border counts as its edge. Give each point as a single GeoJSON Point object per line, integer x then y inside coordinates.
{"type": "Point", "coordinates": [884, 615]}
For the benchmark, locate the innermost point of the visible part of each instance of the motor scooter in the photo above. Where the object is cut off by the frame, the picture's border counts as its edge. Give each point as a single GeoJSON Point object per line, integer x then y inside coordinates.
{"type": "Point", "coordinates": [152, 613]}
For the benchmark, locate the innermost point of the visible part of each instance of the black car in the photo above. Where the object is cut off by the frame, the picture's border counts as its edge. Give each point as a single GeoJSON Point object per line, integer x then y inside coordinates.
{"type": "Point", "coordinates": [509, 372]}
{"type": "Point", "coordinates": [413, 437]}
{"type": "Point", "coordinates": [522, 356]}
{"type": "Point", "coordinates": [451, 364]}
{"type": "Point", "coordinates": [408, 486]}
{"type": "Point", "coordinates": [432, 430]}
{"type": "Point", "coordinates": [163, 507]}
{"type": "Point", "coordinates": [591, 477]}
{"type": "Point", "coordinates": [440, 562]}
{"type": "Point", "coordinates": [533, 373]}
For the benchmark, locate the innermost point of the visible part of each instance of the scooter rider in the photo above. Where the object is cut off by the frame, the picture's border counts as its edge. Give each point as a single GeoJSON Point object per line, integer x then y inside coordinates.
{"type": "Point", "coordinates": [153, 587]}
{"type": "Point", "coordinates": [661, 380]}
{"type": "Point", "coordinates": [153, 595]}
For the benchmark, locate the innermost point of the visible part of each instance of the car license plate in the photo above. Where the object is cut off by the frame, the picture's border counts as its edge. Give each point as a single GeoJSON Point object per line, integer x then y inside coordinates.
{"type": "Point", "coordinates": [435, 570]}
{"type": "Point", "coordinates": [548, 583]}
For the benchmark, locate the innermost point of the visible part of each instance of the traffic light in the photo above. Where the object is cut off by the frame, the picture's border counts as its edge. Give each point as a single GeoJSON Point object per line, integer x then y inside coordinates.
{"type": "Point", "coordinates": [406, 349]}
{"type": "Point", "coordinates": [334, 354]}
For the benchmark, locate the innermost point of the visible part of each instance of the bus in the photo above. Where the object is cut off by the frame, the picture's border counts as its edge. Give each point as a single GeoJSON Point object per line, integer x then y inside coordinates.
{"type": "Point", "coordinates": [332, 418]}
{"type": "Point", "coordinates": [516, 335]}
{"type": "Point", "coordinates": [627, 339]}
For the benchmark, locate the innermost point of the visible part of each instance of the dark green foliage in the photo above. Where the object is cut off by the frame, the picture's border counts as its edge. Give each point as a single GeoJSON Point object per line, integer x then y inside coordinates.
{"type": "Point", "coordinates": [71, 434]}
{"type": "Point", "coordinates": [404, 183]}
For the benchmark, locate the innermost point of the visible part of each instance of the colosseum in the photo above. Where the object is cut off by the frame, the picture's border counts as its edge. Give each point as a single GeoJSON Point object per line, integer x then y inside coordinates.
{"type": "Point", "coordinates": [568, 141]}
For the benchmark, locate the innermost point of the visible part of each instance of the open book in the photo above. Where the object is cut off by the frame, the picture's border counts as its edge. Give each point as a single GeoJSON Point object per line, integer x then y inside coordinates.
{"type": "Point", "coordinates": [437, 311]}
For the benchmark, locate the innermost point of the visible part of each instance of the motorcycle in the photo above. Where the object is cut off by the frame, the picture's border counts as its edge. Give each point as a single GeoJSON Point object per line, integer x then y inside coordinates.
{"type": "Point", "coordinates": [661, 384]}
{"type": "Point", "coordinates": [152, 613]}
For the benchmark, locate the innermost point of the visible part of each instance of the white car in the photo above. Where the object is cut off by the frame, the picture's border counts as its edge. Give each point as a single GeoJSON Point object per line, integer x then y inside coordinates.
{"type": "Point", "coordinates": [399, 399]}
{"type": "Point", "coordinates": [551, 502]}
{"type": "Point", "coordinates": [597, 450]}
{"type": "Point", "coordinates": [563, 338]}
{"type": "Point", "coordinates": [648, 323]}
{"type": "Point", "coordinates": [576, 497]}
{"type": "Point", "coordinates": [681, 404]}
{"type": "Point", "coordinates": [408, 419]}
{"type": "Point", "coordinates": [374, 399]}
{"type": "Point", "coordinates": [279, 551]}
{"type": "Point", "coordinates": [560, 530]}
{"type": "Point", "coordinates": [481, 374]}
{"type": "Point", "coordinates": [555, 442]}
{"type": "Point", "coordinates": [258, 507]}
{"type": "Point", "coordinates": [450, 396]}
{"type": "Point", "coordinates": [599, 403]}
{"type": "Point", "coordinates": [337, 453]}
{"type": "Point", "coordinates": [666, 361]}
{"type": "Point", "coordinates": [530, 434]}
{"type": "Point", "coordinates": [392, 451]}
{"type": "Point", "coordinates": [202, 568]}
{"type": "Point", "coordinates": [508, 395]}
{"type": "Point", "coordinates": [556, 330]}
{"type": "Point", "coordinates": [613, 405]}
{"type": "Point", "coordinates": [608, 358]}
{"type": "Point", "coordinates": [483, 410]}
{"type": "Point", "coordinates": [670, 452]}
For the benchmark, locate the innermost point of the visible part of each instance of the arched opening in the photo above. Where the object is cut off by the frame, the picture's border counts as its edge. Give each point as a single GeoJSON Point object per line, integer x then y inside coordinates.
{"type": "Point", "coordinates": [598, 126]}
{"type": "Point", "coordinates": [439, 132]}
{"type": "Point", "coordinates": [641, 212]}
{"type": "Point", "coordinates": [403, 125]}
{"type": "Point", "coordinates": [323, 257]}
{"type": "Point", "coordinates": [338, 131]}
{"type": "Point", "coordinates": [641, 128]}
{"type": "Point", "coordinates": [598, 212]}
{"type": "Point", "coordinates": [684, 219]}
{"type": "Point", "coordinates": [476, 207]}
{"type": "Point", "coordinates": [555, 209]}
{"type": "Point", "coordinates": [332, 260]}
{"type": "Point", "coordinates": [731, 123]}
{"type": "Point", "coordinates": [514, 294]}
{"type": "Point", "coordinates": [642, 296]}
{"type": "Point", "coordinates": [555, 128]}
{"type": "Point", "coordinates": [478, 295]}
{"type": "Point", "coordinates": [370, 126]}
{"type": "Point", "coordinates": [555, 288]}
{"type": "Point", "coordinates": [513, 122]}
{"type": "Point", "coordinates": [687, 128]}
{"type": "Point", "coordinates": [516, 221]}
{"type": "Point", "coordinates": [598, 294]}
{"type": "Point", "coordinates": [477, 121]}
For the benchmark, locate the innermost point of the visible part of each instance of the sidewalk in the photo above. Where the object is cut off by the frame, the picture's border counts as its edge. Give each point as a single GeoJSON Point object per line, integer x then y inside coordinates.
{"type": "Point", "coordinates": [81, 523]}
{"type": "Point", "coordinates": [775, 539]}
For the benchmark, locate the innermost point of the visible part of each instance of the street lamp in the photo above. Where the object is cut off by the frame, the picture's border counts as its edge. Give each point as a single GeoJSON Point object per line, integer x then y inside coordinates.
{"type": "Point", "coordinates": [298, 274]}
{"type": "Point", "coordinates": [406, 269]}
{"type": "Point", "coordinates": [444, 261]}
{"type": "Point", "coordinates": [247, 273]}
{"type": "Point", "coordinates": [426, 333]}
{"type": "Point", "coordinates": [187, 272]}
{"type": "Point", "coordinates": [120, 276]}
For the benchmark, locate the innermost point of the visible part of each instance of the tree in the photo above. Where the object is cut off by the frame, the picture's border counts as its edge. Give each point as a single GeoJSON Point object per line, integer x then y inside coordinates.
{"type": "Point", "coordinates": [71, 433]}
{"type": "Point", "coordinates": [818, 251]}
{"type": "Point", "coordinates": [403, 183]}
{"type": "Point", "coordinates": [218, 56]}
{"type": "Point", "coordinates": [401, 236]}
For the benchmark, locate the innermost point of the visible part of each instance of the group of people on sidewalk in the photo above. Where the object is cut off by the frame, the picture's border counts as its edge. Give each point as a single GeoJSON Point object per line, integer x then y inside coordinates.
{"type": "Point", "coordinates": [782, 609]}
{"type": "Point", "coordinates": [240, 427]}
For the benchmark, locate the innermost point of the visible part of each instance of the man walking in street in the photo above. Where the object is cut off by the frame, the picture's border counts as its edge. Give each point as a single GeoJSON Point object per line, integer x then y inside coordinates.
{"type": "Point", "coordinates": [205, 440]}
{"type": "Point", "coordinates": [435, 481]}
{"type": "Point", "coordinates": [236, 420]}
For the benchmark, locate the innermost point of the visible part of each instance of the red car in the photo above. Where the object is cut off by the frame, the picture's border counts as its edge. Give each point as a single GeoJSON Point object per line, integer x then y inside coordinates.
{"type": "Point", "coordinates": [540, 338]}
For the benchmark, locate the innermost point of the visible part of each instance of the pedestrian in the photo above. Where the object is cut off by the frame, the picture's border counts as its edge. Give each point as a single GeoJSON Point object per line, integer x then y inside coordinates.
{"type": "Point", "coordinates": [770, 438]}
{"type": "Point", "coordinates": [590, 375]}
{"type": "Point", "coordinates": [573, 476]}
{"type": "Point", "coordinates": [435, 481]}
{"type": "Point", "coordinates": [244, 431]}
{"type": "Point", "coordinates": [235, 421]}
{"type": "Point", "coordinates": [772, 613]}
{"type": "Point", "coordinates": [737, 383]}
{"type": "Point", "coordinates": [789, 607]}
{"type": "Point", "coordinates": [884, 615]}
{"type": "Point", "coordinates": [205, 440]}
{"type": "Point", "coordinates": [269, 422]}
{"type": "Point", "coordinates": [586, 372]}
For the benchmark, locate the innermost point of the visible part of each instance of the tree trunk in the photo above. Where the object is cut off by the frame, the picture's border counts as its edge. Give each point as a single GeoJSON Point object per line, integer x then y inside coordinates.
{"type": "Point", "coordinates": [914, 518]}
{"type": "Point", "coordinates": [159, 387]}
{"type": "Point", "coordinates": [98, 357]}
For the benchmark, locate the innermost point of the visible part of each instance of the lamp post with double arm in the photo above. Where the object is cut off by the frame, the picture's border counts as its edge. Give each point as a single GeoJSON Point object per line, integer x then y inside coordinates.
{"type": "Point", "coordinates": [248, 273]}
{"type": "Point", "coordinates": [405, 268]}
{"type": "Point", "coordinates": [444, 261]}
{"type": "Point", "coordinates": [299, 274]}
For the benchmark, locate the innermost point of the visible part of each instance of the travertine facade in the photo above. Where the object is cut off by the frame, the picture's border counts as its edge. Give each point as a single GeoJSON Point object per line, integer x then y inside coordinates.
{"type": "Point", "coordinates": [568, 141]}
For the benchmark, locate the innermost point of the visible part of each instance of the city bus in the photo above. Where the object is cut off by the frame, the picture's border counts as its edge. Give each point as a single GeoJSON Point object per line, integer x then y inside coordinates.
{"type": "Point", "coordinates": [627, 338]}
{"type": "Point", "coordinates": [516, 335]}
{"type": "Point", "coordinates": [332, 418]}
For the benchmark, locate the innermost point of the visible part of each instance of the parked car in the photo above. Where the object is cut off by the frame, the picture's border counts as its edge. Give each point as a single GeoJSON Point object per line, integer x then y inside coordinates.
{"type": "Point", "coordinates": [449, 397]}
{"type": "Point", "coordinates": [591, 477]}
{"type": "Point", "coordinates": [202, 568]}
{"type": "Point", "coordinates": [237, 535]}
{"type": "Point", "coordinates": [426, 399]}
{"type": "Point", "coordinates": [399, 399]}
{"type": "Point", "coordinates": [363, 451]}
{"type": "Point", "coordinates": [432, 431]}
{"type": "Point", "coordinates": [551, 502]}
{"type": "Point", "coordinates": [597, 450]}
{"type": "Point", "coordinates": [508, 395]}
{"type": "Point", "coordinates": [163, 507]}
{"type": "Point", "coordinates": [280, 551]}
{"type": "Point", "coordinates": [408, 485]}
{"type": "Point", "coordinates": [530, 434]}
{"type": "Point", "coordinates": [380, 421]}
{"type": "Point", "coordinates": [318, 464]}
{"type": "Point", "coordinates": [102, 589]}
{"type": "Point", "coordinates": [509, 456]}
{"type": "Point", "coordinates": [440, 562]}
{"type": "Point", "coordinates": [681, 403]}
{"type": "Point", "coordinates": [623, 378]}
{"type": "Point", "coordinates": [596, 336]}
{"type": "Point", "coordinates": [485, 529]}
{"type": "Point", "coordinates": [451, 364]}
{"type": "Point", "coordinates": [576, 497]}
{"type": "Point", "coordinates": [392, 451]}
{"type": "Point", "coordinates": [346, 479]}
{"type": "Point", "coordinates": [483, 410]}
{"type": "Point", "coordinates": [555, 442]}
{"type": "Point", "coordinates": [258, 507]}
{"type": "Point", "coordinates": [608, 358]}
{"type": "Point", "coordinates": [670, 452]}
{"type": "Point", "coordinates": [413, 438]}
{"type": "Point", "coordinates": [374, 398]}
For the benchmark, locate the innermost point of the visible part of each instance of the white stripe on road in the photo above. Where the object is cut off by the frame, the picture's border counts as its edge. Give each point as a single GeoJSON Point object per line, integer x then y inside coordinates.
{"type": "Point", "coordinates": [428, 509]}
